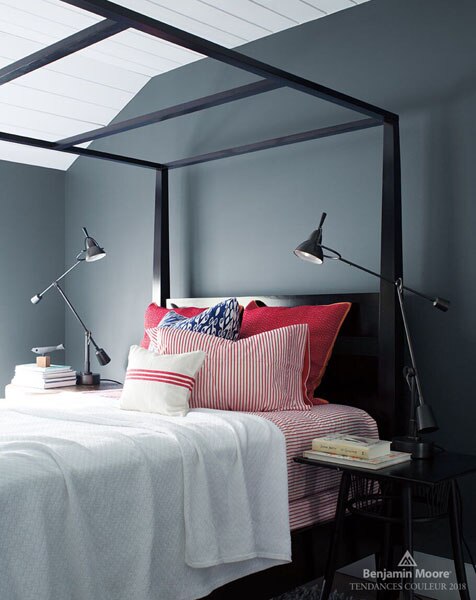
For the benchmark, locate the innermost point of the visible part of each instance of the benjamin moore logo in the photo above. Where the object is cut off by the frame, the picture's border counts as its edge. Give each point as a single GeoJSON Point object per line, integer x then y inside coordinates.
{"type": "Point", "coordinates": [402, 578]}
{"type": "Point", "coordinates": [407, 560]}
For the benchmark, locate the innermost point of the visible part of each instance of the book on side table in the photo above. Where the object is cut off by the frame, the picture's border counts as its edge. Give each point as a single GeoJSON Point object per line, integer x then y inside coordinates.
{"type": "Point", "coordinates": [44, 378]}
{"type": "Point", "coordinates": [356, 446]}
{"type": "Point", "coordinates": [380, 462]}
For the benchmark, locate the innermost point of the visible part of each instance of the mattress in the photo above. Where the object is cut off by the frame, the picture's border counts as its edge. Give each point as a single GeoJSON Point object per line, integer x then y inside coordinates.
{"type": "Point", "coordinates": [312, 490]}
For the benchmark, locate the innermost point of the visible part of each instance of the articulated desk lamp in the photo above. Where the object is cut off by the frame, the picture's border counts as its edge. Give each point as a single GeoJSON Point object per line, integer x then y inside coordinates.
{"type": "Point", "coordinates": [90, 253]}
{"type": "Point", "coordinates": [421, 418]}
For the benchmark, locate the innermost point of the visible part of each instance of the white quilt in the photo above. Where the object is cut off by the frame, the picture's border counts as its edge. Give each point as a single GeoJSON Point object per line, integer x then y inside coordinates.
{"type": "Point", "coordinates": [102, 504]}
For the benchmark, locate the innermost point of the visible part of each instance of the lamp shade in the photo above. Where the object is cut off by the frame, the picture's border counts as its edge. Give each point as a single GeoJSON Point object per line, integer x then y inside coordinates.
{"type": "Point", "coordinates": [102, 356]}
{"type": "Point", "coordinates": [93, 250]}
{"type": "Point", "coordinates": [425, 420]}
{"type": "Point", "coordinates": [311, 249]}
{"type": "Point", "coordinates": [441, 304]}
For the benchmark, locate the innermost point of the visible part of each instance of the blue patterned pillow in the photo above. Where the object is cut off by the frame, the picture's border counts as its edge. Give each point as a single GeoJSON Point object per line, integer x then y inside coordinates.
{"type": "Point", "coordinates": [222, 320]}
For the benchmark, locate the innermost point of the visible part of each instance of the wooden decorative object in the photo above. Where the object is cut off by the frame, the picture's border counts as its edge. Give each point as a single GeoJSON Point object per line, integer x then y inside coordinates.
{"type": "Point", "coordinates": [43, 361]}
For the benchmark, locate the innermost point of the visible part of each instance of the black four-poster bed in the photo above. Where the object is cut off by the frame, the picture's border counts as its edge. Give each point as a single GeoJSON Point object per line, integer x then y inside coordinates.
{"type": "Point", "coordinates": [365, 370]}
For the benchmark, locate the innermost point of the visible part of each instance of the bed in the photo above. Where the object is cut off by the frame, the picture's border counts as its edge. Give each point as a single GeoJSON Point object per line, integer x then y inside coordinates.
{"type": "Point", "coordinates": [357, 403]}
{"type": "Point", "coordinates": [363, 379]}
{"type": "Point", "coordinates": [80, 502]}
{"type": "Point", "coordinates": [109, 504]}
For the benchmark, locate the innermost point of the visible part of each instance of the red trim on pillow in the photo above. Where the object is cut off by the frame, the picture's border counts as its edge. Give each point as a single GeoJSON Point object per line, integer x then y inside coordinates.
{"type": "Point", "coordinates": [161, 377]}
{"type": "Point", "coordinates": [324, 323]}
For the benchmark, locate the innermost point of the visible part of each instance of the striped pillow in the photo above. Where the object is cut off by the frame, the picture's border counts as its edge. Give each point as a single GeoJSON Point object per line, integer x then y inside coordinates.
{"type": "Point", "coordinates": [265, 372]}
{"type": "Point", "coordinates": [160, 384]}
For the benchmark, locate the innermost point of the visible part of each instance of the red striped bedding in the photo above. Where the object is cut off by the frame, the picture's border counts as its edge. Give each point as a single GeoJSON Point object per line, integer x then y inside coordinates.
{"type": "Point", "coordinates": [317, 508]}
{"type": "Point", "coordinates": [313, 491]}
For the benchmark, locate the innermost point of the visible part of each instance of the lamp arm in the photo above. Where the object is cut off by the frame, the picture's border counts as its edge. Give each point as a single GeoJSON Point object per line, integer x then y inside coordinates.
{"type": "Point", "coordinates": [88, 337]}
{"type": "Point", "coordinates": [70, 306]}
{"type": "Point", "coordinates": [399, 286]}
{"type": "Point", "coordinates": [421, 417]}
{"type": "Point", "coordinates": [352, 264]}
{"type": "Point", "coordinates": [73, 310]}
{"type": "Point", "coordinates": [41, 294]}
{"type": "Point", "coordinates": [437, 302]}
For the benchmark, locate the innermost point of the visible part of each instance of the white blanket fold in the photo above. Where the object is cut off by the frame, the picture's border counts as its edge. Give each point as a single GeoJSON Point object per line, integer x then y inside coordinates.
{"type": "Point", "coordinates": [115, 505]}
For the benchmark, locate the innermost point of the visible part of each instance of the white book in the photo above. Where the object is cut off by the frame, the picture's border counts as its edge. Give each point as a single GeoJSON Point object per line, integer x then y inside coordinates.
{"type": "Point", "coordinates": [34, 368]}
{"type": "Point", "coordinates": [44, 377]}
{"type": "Point", "coordinates": [345, 444]}
{"type": "Point", "coordinates": [39, 381]}
{"type": "Point", "coordinates": [44, 385]}
{"type": "Point", "coordinates": [390, 459]}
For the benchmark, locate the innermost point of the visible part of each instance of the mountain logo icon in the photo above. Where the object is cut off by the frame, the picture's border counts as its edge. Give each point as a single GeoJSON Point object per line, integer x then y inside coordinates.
{"type": "Point", "coordinates": [407, 560]}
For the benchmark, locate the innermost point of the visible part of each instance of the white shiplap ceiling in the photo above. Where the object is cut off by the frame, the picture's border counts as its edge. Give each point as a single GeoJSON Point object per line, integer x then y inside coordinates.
{"type": "Point", "coordinates": [89, 88]}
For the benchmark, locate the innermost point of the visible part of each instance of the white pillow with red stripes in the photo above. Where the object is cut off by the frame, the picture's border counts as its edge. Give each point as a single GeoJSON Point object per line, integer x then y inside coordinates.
{"type": "Point", "coordinates": [264, 372]}
{"type": "Point", "coordinates": [160, 384]}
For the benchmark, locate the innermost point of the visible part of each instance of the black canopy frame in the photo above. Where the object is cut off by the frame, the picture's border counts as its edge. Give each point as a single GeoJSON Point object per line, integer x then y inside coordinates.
{"type": "Point", "coordinates": [118, 18]}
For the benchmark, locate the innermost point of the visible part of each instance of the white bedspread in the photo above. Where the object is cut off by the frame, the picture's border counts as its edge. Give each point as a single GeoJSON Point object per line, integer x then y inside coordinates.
{"type": "Point", "coordinates": [99, 503]}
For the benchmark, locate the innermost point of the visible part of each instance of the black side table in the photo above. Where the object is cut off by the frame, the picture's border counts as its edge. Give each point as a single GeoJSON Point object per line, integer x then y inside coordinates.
{"type": "Point", "coordinates": [418, 490]}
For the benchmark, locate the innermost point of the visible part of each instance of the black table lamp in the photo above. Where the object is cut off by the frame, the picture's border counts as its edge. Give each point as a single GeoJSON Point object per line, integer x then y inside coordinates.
{"type": "Point", "coordinates": [421, 418]}
{"type": "Point", "coordinates": [90, 253]}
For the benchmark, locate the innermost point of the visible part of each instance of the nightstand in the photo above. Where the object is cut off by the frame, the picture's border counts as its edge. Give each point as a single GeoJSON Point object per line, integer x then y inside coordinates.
{"type": "Point", "coordinates": [398, 496]}
{"type": "Point", "coordinates": [13, 392]}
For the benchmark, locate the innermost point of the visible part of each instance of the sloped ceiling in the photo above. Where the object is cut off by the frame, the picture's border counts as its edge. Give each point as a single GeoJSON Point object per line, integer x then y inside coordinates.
{"type": "Point", "coordinates": [89, 88]}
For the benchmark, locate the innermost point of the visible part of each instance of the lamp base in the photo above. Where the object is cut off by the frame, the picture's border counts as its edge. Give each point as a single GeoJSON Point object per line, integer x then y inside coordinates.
{"type": "Point", "coordinates": [418, 448]}
{"type": "Point", "coordinates": [88, 379]}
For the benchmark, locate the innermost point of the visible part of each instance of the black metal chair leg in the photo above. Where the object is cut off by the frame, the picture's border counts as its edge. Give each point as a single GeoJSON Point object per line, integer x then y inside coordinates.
{"type": "Point", "coordinates": [336, 535]}
{"type": "Point", "coordinates": [407, 534]}
{"type": "Point", "coordinates": [457, 542]}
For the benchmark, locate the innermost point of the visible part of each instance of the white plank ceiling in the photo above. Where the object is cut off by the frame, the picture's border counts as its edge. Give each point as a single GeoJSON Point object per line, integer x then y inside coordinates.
{"type": "Point", "coordinates": [88, 89]}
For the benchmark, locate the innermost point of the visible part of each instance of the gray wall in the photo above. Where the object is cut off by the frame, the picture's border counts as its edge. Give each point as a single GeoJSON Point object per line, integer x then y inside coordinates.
{"type": "Point", "coordinates": [235, 222]}
{"type": "Point", "coordinates": [116, 204]}
{"type": "Point", "coordinates": [31, 255]}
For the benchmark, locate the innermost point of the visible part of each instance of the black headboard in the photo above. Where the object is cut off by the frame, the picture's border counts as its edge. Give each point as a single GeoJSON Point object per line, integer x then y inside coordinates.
{"type": "Point", "coordinates": [352, 376]}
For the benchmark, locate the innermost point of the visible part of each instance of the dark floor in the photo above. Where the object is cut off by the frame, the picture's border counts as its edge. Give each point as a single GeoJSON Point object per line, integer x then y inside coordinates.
{"type": "Point", "coordinates": [435, 539]}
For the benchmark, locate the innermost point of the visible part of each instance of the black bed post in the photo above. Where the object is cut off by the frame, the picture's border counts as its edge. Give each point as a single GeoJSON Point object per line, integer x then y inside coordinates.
{"type": "Point", "coordinates": [161, 277]}
{"type": "Point", "coordinates": [391, 266]}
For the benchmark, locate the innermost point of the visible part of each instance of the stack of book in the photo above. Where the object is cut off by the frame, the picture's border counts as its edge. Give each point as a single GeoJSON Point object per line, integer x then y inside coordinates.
{"type": "Point", "coordinates": [355, 451]}
{"type": "Point", "coordinates": [44, 378]}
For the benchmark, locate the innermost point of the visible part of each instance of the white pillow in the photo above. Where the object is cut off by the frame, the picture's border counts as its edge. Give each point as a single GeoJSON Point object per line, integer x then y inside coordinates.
{"type": "Point", "coordinates": [160, 383]}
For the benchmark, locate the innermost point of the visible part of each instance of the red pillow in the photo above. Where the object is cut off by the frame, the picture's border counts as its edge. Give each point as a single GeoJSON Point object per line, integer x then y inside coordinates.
{"type": "Point", "coordinates": [266, 372]}
{"type": "Point", "coordinates": [154, 314]}
{"type": "Point", "coordinates": [324, 323]}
